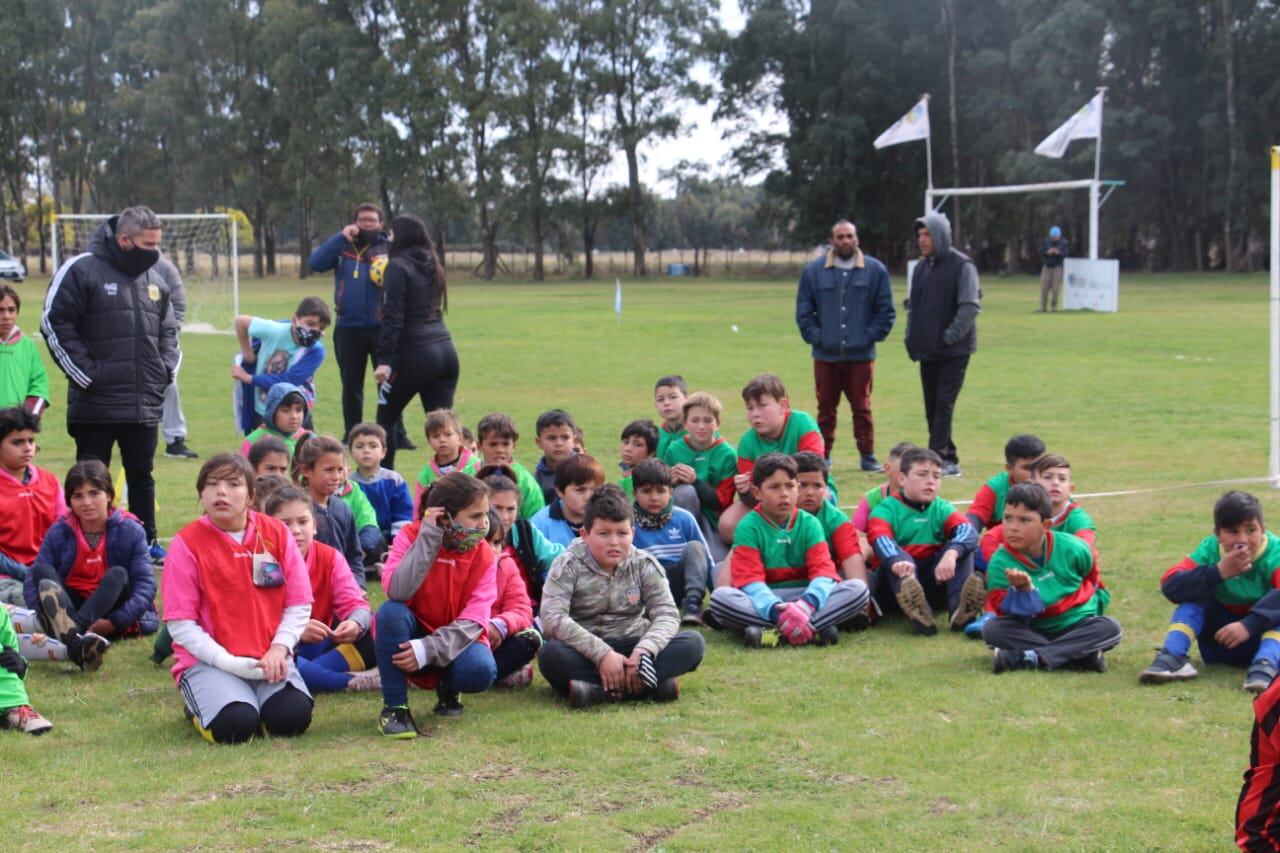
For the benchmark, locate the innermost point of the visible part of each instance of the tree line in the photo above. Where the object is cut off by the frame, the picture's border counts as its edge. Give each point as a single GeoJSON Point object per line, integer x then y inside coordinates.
{"type": "Point", "coordinates": [497, 120]}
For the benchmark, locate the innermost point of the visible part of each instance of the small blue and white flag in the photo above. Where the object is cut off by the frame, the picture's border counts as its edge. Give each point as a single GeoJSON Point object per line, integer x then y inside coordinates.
{"type": "Point", "coordinates": [617, 297]}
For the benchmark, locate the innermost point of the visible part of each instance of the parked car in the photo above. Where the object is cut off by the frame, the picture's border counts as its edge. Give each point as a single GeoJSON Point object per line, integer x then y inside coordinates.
{"type": "Point", "coordinates": [10, 268]}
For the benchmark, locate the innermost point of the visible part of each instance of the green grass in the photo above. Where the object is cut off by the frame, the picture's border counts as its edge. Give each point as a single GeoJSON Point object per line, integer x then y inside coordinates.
{"type": "Point", "coordinates": [887, 741]}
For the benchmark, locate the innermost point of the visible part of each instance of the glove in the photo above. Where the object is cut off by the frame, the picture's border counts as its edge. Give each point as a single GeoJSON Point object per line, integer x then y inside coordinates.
{"type": "Point", "coordinates": [244, 667]}
{"type": "Point", "coordinates": [647, 671]}
{"type": "Point", "coordinates": [793, 622]}
{"type": "Point", "coordinates": [14, 662]}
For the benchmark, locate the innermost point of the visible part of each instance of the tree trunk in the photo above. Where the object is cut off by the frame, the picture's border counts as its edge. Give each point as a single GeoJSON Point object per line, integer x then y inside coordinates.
{"type": "Point", "coordinates": [949, 9]}
{"type": "Point", "coordinates": [259, 238]}
{"type": "Point", "coordinates": [538, 270]}
{"type": "Point", "coordinates": [637, 208]}
{"type": "Point", "coordinates": [270, 233]}
{"type": "Point", "coordinates": [304, 237]}
{"type": "Point", "coordinates": [44, 269]}
{"type": "Point", "coordinates": [385, 192]}
{"type": "Point", "coordinates": [588, 251]}
{"type": "Point", "coordinates": [1233, 143]}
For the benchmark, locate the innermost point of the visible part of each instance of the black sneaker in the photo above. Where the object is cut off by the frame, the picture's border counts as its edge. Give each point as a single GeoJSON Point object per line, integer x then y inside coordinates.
{"type": "Point", "coordinates": [584, 694]}
{"type": "Point", "coordinates": [952, 469]}
{"type": "Point", "coordinates": [709, 619]}
{"type": "Point", "coordinates": [1168, 667]}
{"type": "Point", "coordinates": [828, 636]}
{"type": "Point", "coordinates": [397, 723]}
{"type": "Point", "coordinates": [755, 637]}
{"type": "Point", "coordinates": [666, 691]}
{"type": "Point", "coordinates": [1261, 674]}
{"type": "Point", "coordinates": [870, 463]}
{"type": "Point", "coordinates": [447, 704]}
{"type": "Point", "coordinates": [179, 450]}
{"type": "Point", "coordinates": [692, 614]}
{"type": "Point", "coordinates": [1096, 662]}
{"type": "Point", "coordinates": [1006, 660]}
{"type": "Point", "coordinates": [860, 621]}
{"type": "Point", "coordinates": [93, 649]}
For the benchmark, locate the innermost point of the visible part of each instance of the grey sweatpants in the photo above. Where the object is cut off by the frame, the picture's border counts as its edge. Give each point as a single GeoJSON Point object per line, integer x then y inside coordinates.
{"type": "Point", "coordinates": [687, 499]}
{"type": "Point", "coordinates": [734, 610]}
{"type": "Point", "coordinates": [173, 424]}
{"type": "Point", "coordinates": [688, 578]}
{"type": "Point", "coordinates": [1094, 634]}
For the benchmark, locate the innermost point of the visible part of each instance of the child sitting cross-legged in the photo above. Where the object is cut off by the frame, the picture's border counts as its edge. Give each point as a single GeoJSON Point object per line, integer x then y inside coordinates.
{"type": "Point", "coordinates": [93, 579]}
{"type": "Point", "coordinates": [445, 435]}
{"type": "Point", "coordinates": [30, 501]}
{"type": "Point", "coordinates": [576, 478]}
{"type": "Point", "coordinates": [532, 552]}
{"type": "Point", "coordinates": [703, 466]}
{"type": "Point", "coordinates": [1020, 456]}
{"type": "Point", "coordinates": [924, 549]}
{"type": "Point", "coordinates": [512, 635]}
{"type": "Point", "coordinates": [612, 627]}
{"type": "Point", "coordinates": [554, 434]}
{"type": "Point", "coordinates": [1044, 585]}
{"type": "Point", "coordinates": [386, 490]}
{"type": "Point", "coordinates": [669, 394]}
{"type": "Point", "coordinates": [498, 435]}
{"type": "Point", "coordinates": [842, 536]}
{"type": "Point", "coordinates": [784, 587]}
{"type": "Point", "coordinates": [639, 442]}
{"type": "Point", "coordinates": [441, 584]}
{"type": "Point", "coordinates": [320, 467]}
{"type": "Point", "coordinates": [672, 535]}
{"type": "Point", "coordinates": [1227, 593]}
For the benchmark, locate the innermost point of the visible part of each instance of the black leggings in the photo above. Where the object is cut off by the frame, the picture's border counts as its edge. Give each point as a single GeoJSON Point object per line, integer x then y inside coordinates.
{"type": "Point", "coordinates": [286, 714]}
{"type": "Point", "coordinates": [112, 591]}
{"type": "Point", "coordinates": [430, 372]}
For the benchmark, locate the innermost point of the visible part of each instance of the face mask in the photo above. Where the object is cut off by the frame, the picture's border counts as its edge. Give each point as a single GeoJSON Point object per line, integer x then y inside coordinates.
{"type": "Point", "coordinates": [306, 336]}
{"type": "Point", "coordinates": [460, 538]}
{"type": "Point", "coordinates": [134, 262]}
{"type": "Point", "coordinates": [365, 236]}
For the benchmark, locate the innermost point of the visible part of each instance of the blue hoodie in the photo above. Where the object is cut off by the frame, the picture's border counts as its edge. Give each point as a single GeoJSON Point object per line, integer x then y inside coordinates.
{"type": "Point", "coordinates": [274, 398]}
{"type": "Point", "coordinates": [356, 299]}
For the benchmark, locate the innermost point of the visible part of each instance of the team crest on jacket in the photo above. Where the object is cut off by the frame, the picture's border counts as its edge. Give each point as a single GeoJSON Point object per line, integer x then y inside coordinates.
{"type": "Point", "coordinates": [633, 596]}
{"type": "Point", "coordinates": [111, 287]}
{"type": "Point", "coordinates": [153, 292]}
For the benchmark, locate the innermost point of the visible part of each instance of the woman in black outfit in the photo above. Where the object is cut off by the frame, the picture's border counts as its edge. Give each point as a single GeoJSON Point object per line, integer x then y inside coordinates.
{"type": "Point", "coordinates": [415, 352]}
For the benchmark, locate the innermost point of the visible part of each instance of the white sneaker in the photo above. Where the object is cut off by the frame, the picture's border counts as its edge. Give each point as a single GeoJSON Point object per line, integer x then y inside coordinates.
{"type": "Point", "coordinates": [27, 719]}
{"type": "Point", "coordinates": [522, 677]}
{"type": "Point", "coordinates": [365, 681]}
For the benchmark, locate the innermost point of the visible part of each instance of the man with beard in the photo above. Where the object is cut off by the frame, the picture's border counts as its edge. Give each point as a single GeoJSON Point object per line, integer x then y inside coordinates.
{"type": "Point", "coordinates": [109, 324]}
{"type": "Point", "coordinates": [844, 307]}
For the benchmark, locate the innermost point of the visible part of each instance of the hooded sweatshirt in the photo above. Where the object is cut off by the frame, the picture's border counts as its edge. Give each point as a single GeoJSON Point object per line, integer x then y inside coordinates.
{"type": "Point", "coordinates": [274, 398]}
{"type": "Point", "coordinates": [943, 300]}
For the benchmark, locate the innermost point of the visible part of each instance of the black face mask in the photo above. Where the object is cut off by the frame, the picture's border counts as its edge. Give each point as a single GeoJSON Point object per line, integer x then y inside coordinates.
{"type": "Point", "coordinates": [364, 237]}
{"type": "Point", "coordinates": [134, 262]}
{"type": "Point", "coordinates": [306, 336]}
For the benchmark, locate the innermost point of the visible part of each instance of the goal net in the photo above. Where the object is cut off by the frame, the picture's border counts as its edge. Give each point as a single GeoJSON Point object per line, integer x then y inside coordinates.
{"type": "Point", "coordinates": [202, 246]}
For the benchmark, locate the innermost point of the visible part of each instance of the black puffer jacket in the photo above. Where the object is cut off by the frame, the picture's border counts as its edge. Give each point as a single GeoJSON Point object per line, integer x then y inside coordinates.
{"type": "Point", "coordinates": [411, 297]}
{"type": "Point", "coordinates": [114, 337]}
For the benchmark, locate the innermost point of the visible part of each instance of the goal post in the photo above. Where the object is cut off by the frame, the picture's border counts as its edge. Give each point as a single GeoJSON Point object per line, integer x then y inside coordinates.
{"type": "Point", "coordinates": [204, 247]}
{"type": "Point", "coordinates": [1273, 467]}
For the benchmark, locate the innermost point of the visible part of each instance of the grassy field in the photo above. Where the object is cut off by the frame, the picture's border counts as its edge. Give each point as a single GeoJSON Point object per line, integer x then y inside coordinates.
{"type": "Point", "coordinates": [887, 741]}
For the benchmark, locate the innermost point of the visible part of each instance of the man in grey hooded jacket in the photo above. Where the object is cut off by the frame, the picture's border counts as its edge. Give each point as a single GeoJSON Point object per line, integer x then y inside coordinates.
{"type": "Point", "coordinates": [942, 304]}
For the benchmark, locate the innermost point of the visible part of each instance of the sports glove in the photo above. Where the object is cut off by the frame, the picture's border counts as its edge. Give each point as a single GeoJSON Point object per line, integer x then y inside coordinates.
{"type": "Point", "coordinates": [793, 622]}
{"type": "Point", "coordinates": [14, 662]}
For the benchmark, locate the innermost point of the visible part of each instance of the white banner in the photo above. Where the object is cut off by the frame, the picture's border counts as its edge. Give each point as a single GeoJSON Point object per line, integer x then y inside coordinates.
{"type": "Point", "coordinates": [1086, 123]}
{"type": "Point", "coordinates": [912, 126]}
{"type": "Point", "coordinates": [1091, 285]}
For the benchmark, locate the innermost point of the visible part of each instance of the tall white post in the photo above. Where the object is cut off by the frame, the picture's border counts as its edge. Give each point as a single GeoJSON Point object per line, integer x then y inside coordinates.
{"type": "Point", "coordinates": [928, 160]}
{"type": "Point", "coordinates": [1273, 470]}
{"type": "Point", "coordinates": [235, 267]}
{"type": "Point", "coordinates": [53, 243]}
{"type": "Point", "coordinates": [1093, 219]}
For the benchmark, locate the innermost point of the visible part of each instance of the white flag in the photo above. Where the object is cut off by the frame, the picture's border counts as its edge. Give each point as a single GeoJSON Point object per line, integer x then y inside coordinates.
{"type": "Point", "coordinates": [912, 126]}
{"type": "Point", "coordinates": [617, 297]}
{"type": "Point", "coordinates": [1086, 123]}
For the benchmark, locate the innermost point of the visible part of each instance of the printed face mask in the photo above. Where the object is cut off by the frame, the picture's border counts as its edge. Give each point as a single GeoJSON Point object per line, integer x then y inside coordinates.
{"type": "Point", "coordinates": [460, 538]}
{"type": "Point", "coordinates": [306, 336]}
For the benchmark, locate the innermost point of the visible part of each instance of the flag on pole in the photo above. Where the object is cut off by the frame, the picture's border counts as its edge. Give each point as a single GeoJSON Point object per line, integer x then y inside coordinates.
{"type": "Point", "coordinates": [912, 126]}
{"type": "Point", "coordinates": [617, 297]}
{"type": "Point", "coordinates": [1085, 123]}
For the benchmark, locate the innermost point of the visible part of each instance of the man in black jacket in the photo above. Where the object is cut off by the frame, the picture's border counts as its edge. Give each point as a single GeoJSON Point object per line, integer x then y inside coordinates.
{"type": "Point", "coordinates": [942, 310]}
{"type": "Point", "coordinates": [109, 325]}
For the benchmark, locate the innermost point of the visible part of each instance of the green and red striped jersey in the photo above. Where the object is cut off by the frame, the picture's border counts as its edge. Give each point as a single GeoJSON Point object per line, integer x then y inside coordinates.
{"type": "Point", "coordinates": [780, 556]}
{"type": "Point", "coordinates": [799, 433]}
{"type": "Point", "coordinates": [1066, 578]}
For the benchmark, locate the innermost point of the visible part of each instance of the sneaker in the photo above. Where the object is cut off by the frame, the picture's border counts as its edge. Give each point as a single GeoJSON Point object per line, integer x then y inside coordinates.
{"type": "Point", "coordinates": [519, 679]}
{"type": "Point", "coordinates": [28, 720]}
{"type": "Point", "coordinates": [860, 621]}
{"type": "Point", "coordinates": [533, 636]}
{"type": "Point", "coordinates": [584, 694]}
{"type": "Point", "coordinates": [447, 704]}
{"type": "Point", "coordinates": [93, 649]}
{"type": "Point", "coordinates": [1005, 660]}
{"type": "Point", "coordinates": [1167, 667]}
{"type": "Point", "coordinates": [365, 681]}
{"type": "Point", "coordinates": [972, 596]}
{"type": "Point", "coordinates": [828, 636]}
{"type": "Point", "coordinates": [179, 450]}
{"type": "Point", "coordinates": [915, 607]}
{"type": "Point", "coordinates": [869, 463]}
{"type": "Point", "coordinates": [755, 637]}
{"type": "Point", "coordinates": [157, 552]}
{"type": "Point", "coordinates": [1096, 662]}
{"type": "Point", "coordinates": [1261, 674]}
{"type": "Point", "coordinates": [952, 469]}
{"type": "Point", "coordinates": [709, 619]}
{"type": "Point", "coordinates": [974, 629]}
{"type": "Point", "coordinates": [667, 690]}
{"type": "Point", "coordinates": [692, 614]}
{"type": "Point", "coordinates": [397, 723]}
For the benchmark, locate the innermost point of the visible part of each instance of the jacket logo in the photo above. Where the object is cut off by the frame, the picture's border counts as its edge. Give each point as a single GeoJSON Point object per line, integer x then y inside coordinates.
{"type": "Point", "coordinates": [633, 596]}
{"type": "Point", "coordinates": [153, 292]}
{"type": "Point", "coordinates": [111, 287]}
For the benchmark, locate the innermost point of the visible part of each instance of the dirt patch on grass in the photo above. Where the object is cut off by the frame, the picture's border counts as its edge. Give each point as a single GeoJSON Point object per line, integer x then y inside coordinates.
{"type": "Point", "coordinates": [721, 802]}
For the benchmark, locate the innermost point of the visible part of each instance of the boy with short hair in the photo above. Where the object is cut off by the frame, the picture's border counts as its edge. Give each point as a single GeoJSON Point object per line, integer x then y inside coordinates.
{"type": "Point", "coordinates": [1053, 473]}
{"type": "Point", "coordinates": [286, 410]}
{"type": "Point", "coordinates": [1227, 593]}
{"type": "Point", "coordinates": [1020, 455]}
{"type": "Point", "coordinates": [498, 435]}
{"type": "Point", "coordinates": [671, 534]}
{"type": "Point", "coordinates": [703, 466]}
{"type": "Point", "coordinates": [288, 352]}
{"type": "Point", "coordinates": [841, 535]}
{"type": "Point", "coordinates": [1044, 586]}
{"type": "Point", "coordinates": [386, 490]}
{"type": "Point", "coordinates": [784, 585]}
{"type": "Point", "coordinates": [576, 478]}
{"type": "Point", "coordinates": [469, 441]}
{"type": "Point", "coordinates": [612, 628]}
{"type": "Point", "coordinates": [892, 483]}
{"type": "Point", "coordinates": [554, 435]}
{"type": "Point", "coordinates": [639, 442]}
{"type": "Point", "coordinates": [446, 436]}
{"type": "Point", "coordinates": [31, 501]}
{"type": "Point", "coordinates": [775, 428]}
{"type": "Point", "coordinates": [924, 548]}
{"type": "Point", "coordinates": [669, 394]}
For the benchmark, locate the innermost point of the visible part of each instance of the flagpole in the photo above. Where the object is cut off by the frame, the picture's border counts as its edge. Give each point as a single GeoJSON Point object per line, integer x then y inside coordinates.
{"type": "Point", "coordinates": [1097, 151]}
{"type": "Point", "coordinates": [928, 160]}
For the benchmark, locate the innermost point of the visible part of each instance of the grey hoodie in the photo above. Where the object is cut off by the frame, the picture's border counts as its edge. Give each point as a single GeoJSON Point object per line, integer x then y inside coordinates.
{"type": "Point", "coordinates": [958, 336]}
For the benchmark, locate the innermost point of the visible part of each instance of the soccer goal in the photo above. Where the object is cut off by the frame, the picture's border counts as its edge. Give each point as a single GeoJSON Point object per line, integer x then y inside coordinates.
{"type": "Point", "coordinates": [204, 248]}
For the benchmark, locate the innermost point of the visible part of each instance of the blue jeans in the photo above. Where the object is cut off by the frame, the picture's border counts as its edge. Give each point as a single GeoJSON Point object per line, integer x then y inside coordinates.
{"type": "Point", "coordinates": [473, 671]}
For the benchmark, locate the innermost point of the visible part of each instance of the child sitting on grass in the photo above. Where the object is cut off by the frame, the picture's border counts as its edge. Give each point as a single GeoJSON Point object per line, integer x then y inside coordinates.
{"type": "Point", "coordinates": [386, 490]}
{"type": "Point", "coordinates": [532, 552]}
{"type": "Point", "coordinates": [445, 435]}
{"type": "Point", "coordinates": [498, 436]}
{"type": "Point", "coordinates": [669, 394]}
{"type": "Point", "coordinates": [269, 456]}
{"type": "Point", "coordinates": [576, 478]}
{"type": "Point", "coordinates": [784, 587]}
{"type": "Point", "coordinates": [15, 707]}
{"type": "Point", "coordinates": [368, 533]}
{"type": "Point", "coordinates": [703, 466]}
{"type": "Point", "coordinates": [93, 579]}
{"type": "Point", "coordinates": [288, 352]}
{"type": "Point", "coordinates": [441, 584]}
{"type": "Point", "coordinates": [512, 635]}
{"type": "Point", "coordinates": [320, 467]}
{"type": "Point", "coordinates": [892, 484]}
{"type": "Point", "coordinates": [1044, 586]}
{"type": "Point", "coordinates": [775, 428]}
{"type": "Point", "coordinates": [671, 534]}
{"type": "Point", "coordinates": [335, 649]}
{"type": "Point", "coordinates": [1227, 593]}
{"type": "Point", "coordinates": [23, 380]}
{"type": "Point", "coordinates": [612, 628]}
{"type": "Point", "coordinates": [1053, 473]}
{"type": "Point", "coordinates": [1020, 455]}
{"type": "Point", "coordinates": [554, 434]}
{"type": "Point", "coordinates": [841, 535]}
{"type": "Point", "coordinates": [285, 412]}
{"type": "Point", "coordinates": [924, 549]}
{"type": "Point", "coordinates": [236, 600]}
{"type": "Point", "coordinates": [639, 442]}
{"type": "Point", "coordinates": [30, 501]}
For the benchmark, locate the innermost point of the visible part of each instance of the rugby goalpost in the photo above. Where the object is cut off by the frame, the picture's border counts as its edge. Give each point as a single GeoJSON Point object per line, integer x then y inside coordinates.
{"type": "Point", "coordinates": [204, 247]}
{"type": "Point", "coordinates": [1273, 468]}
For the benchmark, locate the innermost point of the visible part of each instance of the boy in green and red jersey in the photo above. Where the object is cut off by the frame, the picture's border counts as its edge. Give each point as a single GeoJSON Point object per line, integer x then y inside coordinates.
{"type": "Point", "coordinates": [444, 432]}
{"type": "Point", "coordinates": [703, 466]}
{"type": "Point", "coordinates": [841, 535]}
{"type": "Point", "coordinates": [498, 436]}
{"type": "Point", "coordinates": [1020, 454]}
{"type": "Point", "coordinates": [924, 549]}
{"type": "Point", "coordinates": [1045, 586]}
{"type": "Point", "coordinates": [781, 569]}
{"type": "Point", "coordinates": [775, 428]}
{"type": "Point", "coordinates": [639, 442]}
{"type": "Point", "coordinates": [669, 394]}
{"type": "Point", "coordinates": [1228, 596]}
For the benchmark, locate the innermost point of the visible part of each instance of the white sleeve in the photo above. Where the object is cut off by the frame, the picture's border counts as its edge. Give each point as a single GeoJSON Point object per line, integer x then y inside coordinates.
{"type": "Point", "coordinates": [292, 622]}
{"type": "Point", "coordinates": [204, 648]}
